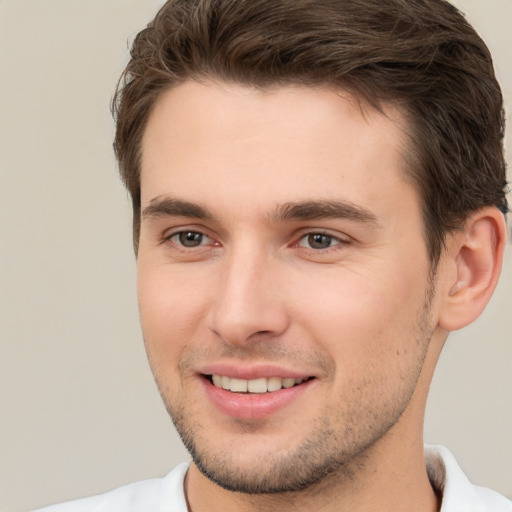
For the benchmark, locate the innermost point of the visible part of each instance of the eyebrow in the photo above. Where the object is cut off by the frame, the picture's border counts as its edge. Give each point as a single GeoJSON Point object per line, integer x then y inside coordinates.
{"type": "Point", "coordinates": [171, 207]}
{"type": "Point", "coordinates": [301, 210]}
{"type": "Point", "coordinates": [311, 210]}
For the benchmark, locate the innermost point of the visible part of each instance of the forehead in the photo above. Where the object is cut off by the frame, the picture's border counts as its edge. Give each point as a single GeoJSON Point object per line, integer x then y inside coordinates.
{"type": "Point", "coordinates": [237, 145]}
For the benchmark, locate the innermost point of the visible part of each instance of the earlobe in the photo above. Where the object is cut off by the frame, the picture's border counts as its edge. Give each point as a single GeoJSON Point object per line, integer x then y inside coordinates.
{"type": "Point", "coordinates": [473, 264]}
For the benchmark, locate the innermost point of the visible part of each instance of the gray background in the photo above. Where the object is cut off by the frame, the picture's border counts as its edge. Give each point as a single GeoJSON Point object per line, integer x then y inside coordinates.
{"type": "Point", "coordinates": [79, 411]}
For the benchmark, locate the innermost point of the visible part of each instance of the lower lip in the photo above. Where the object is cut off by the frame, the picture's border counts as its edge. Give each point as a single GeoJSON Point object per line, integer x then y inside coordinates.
{"type": "Point", "coordinates": [253, 406]}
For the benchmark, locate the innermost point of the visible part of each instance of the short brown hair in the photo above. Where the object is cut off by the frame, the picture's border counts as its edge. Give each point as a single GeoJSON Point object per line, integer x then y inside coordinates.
{"type": "Point", "coordinates": [419, 54]}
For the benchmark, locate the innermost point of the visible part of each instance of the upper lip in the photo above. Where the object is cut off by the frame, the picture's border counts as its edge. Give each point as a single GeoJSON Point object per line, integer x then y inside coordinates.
{"type": "Point", "coordinates": [254, 371]}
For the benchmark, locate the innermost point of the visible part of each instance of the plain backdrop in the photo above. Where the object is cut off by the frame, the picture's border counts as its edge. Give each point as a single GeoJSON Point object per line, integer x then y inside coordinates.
{"type": "Point", "coordinates": [79, 412]}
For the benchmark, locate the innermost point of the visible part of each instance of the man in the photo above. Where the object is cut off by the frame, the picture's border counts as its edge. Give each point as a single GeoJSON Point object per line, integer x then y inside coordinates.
{"type": "Point", "coordinates": [318, 191]}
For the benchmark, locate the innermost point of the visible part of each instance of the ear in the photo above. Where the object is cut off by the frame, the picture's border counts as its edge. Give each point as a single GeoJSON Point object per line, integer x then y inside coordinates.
{"type": "Point", "coordinates": [471, 268]}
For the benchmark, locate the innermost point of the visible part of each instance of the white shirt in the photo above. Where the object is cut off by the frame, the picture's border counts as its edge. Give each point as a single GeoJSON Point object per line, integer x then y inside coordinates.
{"type": "Point", "coordinates": [167, 494]}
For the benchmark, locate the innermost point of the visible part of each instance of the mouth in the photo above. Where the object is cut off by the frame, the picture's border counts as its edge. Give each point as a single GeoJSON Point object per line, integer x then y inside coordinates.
{"type": "Point", "coordinates": [255, 386]}
{"type": "Point", "coordinates": [256, 397]}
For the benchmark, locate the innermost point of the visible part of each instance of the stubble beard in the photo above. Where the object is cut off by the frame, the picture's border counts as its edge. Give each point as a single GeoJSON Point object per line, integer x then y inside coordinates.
{"type": "Point", "coordinates": [333, 449]}
{"type": "Point", "coordinates": [313, 461]}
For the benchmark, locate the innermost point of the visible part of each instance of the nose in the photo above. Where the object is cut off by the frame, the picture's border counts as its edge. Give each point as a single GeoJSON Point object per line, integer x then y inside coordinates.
{"type": "Point", "coordinates": [249, 304]}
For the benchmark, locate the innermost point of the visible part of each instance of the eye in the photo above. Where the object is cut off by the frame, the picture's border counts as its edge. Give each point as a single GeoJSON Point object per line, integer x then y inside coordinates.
{"type": "Point", "coordinates": [318, 241]}
{"type": "Point", "coordinates": [190, 239]}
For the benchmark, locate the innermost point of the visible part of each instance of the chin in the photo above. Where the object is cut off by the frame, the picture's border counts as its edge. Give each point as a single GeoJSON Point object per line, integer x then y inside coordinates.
{"type": "Point", "coordinates": [296, 464]}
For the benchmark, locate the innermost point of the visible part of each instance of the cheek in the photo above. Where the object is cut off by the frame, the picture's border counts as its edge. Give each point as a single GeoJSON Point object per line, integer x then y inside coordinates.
{"type": "Point", "coordinates": [170, 308]}
{"type": "Point", "coordinates": [361, 319]}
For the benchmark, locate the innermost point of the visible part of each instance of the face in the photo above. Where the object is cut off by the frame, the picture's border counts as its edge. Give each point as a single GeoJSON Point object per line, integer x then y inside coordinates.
{"type": "Point", "coordinates": [283, 279]}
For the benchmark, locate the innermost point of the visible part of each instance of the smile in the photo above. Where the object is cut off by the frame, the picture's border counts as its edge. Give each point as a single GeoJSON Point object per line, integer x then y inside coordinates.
{"type": "Point", "coordinates": [257, 397]}
{"type": "Point", "coordinates": [257, 386]}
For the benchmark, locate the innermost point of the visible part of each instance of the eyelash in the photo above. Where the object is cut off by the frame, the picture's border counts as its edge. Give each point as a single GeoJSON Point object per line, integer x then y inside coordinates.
{"type": "Point", "coordinates": [333, 241]}
{"type": "Point", "coordinates": [186, 232]}
{"type": "Point", "coordinates": [177, 238]}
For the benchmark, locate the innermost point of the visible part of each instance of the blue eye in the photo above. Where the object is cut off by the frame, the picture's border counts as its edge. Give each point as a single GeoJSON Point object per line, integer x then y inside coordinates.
{"type": "Point", "coordinates": [318, 241]}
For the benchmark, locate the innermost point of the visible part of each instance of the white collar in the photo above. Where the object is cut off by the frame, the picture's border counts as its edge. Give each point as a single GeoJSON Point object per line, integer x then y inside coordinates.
{"type": "Point", "coordinates": [458, 493]}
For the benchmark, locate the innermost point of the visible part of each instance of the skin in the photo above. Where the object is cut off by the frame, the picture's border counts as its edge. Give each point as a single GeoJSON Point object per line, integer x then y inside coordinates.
{"type": "Point", "coordinates": [360, 316]}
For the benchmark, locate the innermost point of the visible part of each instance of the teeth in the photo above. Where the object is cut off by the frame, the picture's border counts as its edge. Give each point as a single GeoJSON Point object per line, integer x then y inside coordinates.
{"type": "Point", "coordinates": [255, 385]}
{"type": "Point", "coordinates": [238, 385]}
{"type": "Point", "coordinates": [288, 383]}
{"type": "Point", "coordinates": [274, 383]}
